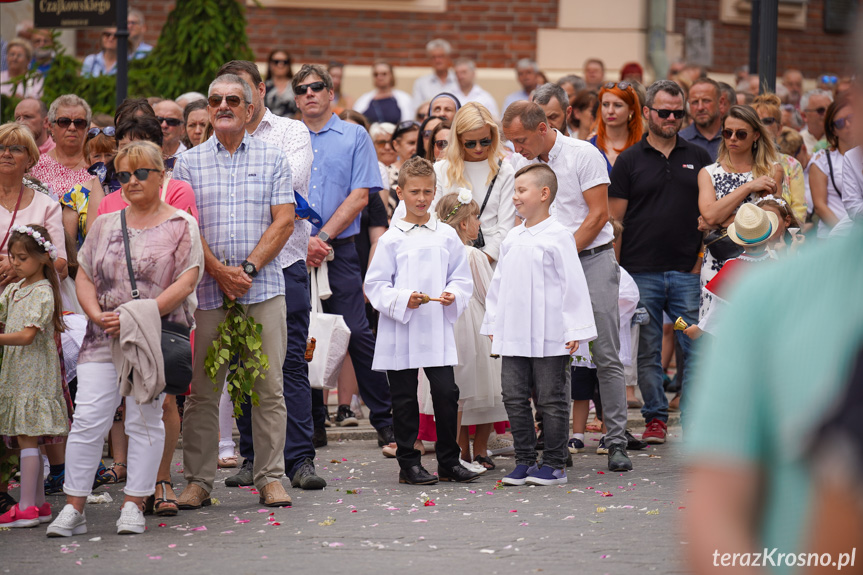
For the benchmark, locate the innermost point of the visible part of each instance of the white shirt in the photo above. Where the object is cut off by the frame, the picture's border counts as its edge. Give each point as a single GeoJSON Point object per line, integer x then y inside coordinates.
{"type": "Point", "coordinates": [834, 202]}
{"type": "Point", "coordinates": [403, 100]}
{"type": "Point", "coordinates": [479, 96]}
{"type": "Point", "coordinates": [810, 141]}
{"type": "Point", "coordinates": [578, 166]}
{"type": "Point", "coordinates": [430, 259]}
{"type": "Point", "coordinates": [852, 182]}
{"type": "Point", "coordinates": [427, 87]}
{"type": "Point", "coordinates": [538, 299]}
{"type": "Point", "coordinates": [292, 136]}
{"type": "Point", "coordinates": [515, 97]}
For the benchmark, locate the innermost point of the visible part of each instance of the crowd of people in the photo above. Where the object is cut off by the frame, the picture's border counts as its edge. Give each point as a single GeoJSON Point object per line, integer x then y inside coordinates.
{"type": "Point", "coordinates": [495, 271]}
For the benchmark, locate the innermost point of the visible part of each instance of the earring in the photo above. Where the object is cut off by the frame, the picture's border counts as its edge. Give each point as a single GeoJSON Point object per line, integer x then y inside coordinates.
{"type": "Point", "coordinates": [630, 117]}
{"type": "Point", "coordinates": [755, 146]}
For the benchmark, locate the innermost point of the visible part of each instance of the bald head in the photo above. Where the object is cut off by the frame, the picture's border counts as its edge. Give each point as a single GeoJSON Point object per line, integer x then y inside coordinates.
{"type": "Point", "coordinates": [170, 116]}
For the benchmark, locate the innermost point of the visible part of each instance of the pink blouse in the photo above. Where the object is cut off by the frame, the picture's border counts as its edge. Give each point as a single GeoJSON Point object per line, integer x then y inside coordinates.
{"type": "Point", "coordinates": [42, 211]}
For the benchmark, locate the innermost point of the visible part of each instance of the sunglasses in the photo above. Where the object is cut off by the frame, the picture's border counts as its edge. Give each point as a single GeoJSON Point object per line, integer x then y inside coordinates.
{"type": "Point", "coordinates": [141, 173]}
{"type": "Point", "coordinates": [215, 101]}
{"type": "Point", "coordinates": [739, 134]}
{"type": "Point", "coordinates": [80, 123]}
{"type": "Point", "coordinates": [471, 144]}
{"type": "Point", "coordinates": [841, 123]}
{"type": "Point", "coordinates": [15, 150]}
{"type": "Point", "coordinates": [93, 132]}
{"type": "Point", "coordinates": [108, 34]}
{"type": "Point", "coordinates": [664, 114]}
{"type": "Point", "coordinates": [174, 122]}
{"type": "Point", "coordinates": [315, 86]}
{"type": "Point", "coordinates": [382, 142]}
{"type": "Point", "coordinates": [769, 121]}
{"type": "Point", "coordinates": [621, 85]}
{"type": "Point", "coordinates": [281, 62]}
{"type": "Point", "coordinates": [441, 144]}
{"type": "Point", "coordinates": [828, 79]}
{"type": "Point", "coordinates": [820, 111]}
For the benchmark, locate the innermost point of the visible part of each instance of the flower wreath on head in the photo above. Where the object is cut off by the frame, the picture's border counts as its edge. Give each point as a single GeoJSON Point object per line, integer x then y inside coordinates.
{"type": "Point", "coordinates": [43, 242]}
{"type": "Point", "coordinates": [465, 196]}
{"type": "Point", "coordinates": [776, 199]}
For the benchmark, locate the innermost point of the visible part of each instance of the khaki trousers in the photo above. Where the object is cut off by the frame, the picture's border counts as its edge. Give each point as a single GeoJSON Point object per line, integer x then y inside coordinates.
{"type": "Point", "coordinates": [201, 420]}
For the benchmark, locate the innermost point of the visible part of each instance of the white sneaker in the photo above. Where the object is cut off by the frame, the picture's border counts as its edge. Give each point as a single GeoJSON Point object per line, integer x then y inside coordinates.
{"type": "Point", "coordinates": [68, 523]}
{"type": "Point", "coordinates": [131, 519]}
{"type": "Point", "coordinates": [475, 467]}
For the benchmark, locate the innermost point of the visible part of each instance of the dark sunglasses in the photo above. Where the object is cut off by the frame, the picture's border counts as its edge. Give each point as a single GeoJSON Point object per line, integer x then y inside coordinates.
{"type": "Point", "coordinates": [664, 114]}
{"type": "Point", "coordinates": [315, 86]}
{"type": "Point", "coordinates": [282, 62]}
{"type": "Point", "coordinates": [622, 85]}
{"type": "Point", "coordinates": [820, 111]}
{"type": "Point", "coordinates": [174, 122]}
{"type": "Point", "coordinates": [216, 100]}
{"type": "Point", "coordinates": [739, 134]}
{"type": "Point", "coordinates": [471, 144]}
{"type": "Point", "coordinates": [80, 123]}
{"type": "Point", "coordinates": [769, 121]}
{"type": "Point", "coordinates": [108, 34]}
{"type": "Point", "coordinates": [441, 144]}
{"type": "Point", "coordinates": [141, 173]}
{"type": "Point", "coordinates": [840, 123]}
{"type": "Point", "coordinates": [93, 132]}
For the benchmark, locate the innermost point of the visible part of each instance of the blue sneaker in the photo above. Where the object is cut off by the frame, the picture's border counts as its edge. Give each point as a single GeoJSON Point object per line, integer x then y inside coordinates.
{"type": "Point", "coordinates": [518, 475]}
{"type": "Point", "coordinates": [601, 449]}
{"type": "Point", "coordinates": [546, 475]}
{"type": "Point", "coordinates": [575, 445]}
{"type": "Point", "coordinates": [54, 483]}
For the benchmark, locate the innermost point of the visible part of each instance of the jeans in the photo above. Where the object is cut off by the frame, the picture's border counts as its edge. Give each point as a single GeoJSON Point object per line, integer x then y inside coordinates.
{"type": "Point", "coordinates": [295, 375]}
{"type": "Point", "coordinates": [676, 293]}
{"type": "Point", "coordinates": [548, 375]}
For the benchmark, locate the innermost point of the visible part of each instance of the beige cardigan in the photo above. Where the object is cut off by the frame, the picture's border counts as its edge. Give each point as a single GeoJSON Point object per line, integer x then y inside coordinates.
{"type": "Point", "coordinates": [138, 351]}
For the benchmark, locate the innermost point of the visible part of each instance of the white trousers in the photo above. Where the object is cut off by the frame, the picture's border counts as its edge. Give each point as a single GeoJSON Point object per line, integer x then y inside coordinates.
{"type": "Point", "coordinates": [95, 403]}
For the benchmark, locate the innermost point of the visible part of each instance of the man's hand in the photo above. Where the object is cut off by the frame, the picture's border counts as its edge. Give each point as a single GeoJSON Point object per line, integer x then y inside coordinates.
{"type": "Point", "coordinates": [415, 300]}
{"type": "Point", "coordinates": [448, 298]}
{"type": "Point", "coordinates": [318, 251]}
{"type": "Point", "coordinates": [572, 347]}
{"type": "Point", "coordinates": [233, 281]}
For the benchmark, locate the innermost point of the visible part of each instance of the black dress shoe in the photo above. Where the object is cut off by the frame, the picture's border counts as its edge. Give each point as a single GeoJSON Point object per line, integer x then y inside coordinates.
{"type": "Point", "coordinates": [456, 473]}
{"type": "Point", "coordinates": [416, 475]}
{"type": "Point", "coordinates": [386, 435]}
{"type": "Point", "coordinates": [633, 443]}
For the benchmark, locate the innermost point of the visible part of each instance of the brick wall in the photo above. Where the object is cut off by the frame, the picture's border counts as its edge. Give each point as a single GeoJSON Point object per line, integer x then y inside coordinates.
{"type": "Point", "coordinates": [495, 33]}
{"type": "Point", "coordinates": [812, 50]}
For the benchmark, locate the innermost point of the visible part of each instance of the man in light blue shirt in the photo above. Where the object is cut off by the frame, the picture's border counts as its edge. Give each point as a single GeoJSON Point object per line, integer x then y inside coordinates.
{"type": "Point", "coordinates": [344, 172]}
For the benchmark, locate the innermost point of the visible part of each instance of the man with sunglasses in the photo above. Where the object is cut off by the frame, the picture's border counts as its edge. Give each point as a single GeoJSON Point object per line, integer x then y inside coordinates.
{"type": "Point", "coordinates": [244, 193]}
{"type": "Point", "coordinates": [654, 193]}
{"type": "Point", "coordinates": [814, 104]}
{"type": "Point", "coordinates": [170, 116]}
{"type": "Point", "coordinates": [33, 113]}
{"type": "Point", "coordinates": [704, 100]}
{"type": "Point", "coordinates": [345, 171]}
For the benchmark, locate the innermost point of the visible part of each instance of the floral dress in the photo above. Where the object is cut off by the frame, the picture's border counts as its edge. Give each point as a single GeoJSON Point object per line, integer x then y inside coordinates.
{"type": "Point", "coordinates": [31, 386]}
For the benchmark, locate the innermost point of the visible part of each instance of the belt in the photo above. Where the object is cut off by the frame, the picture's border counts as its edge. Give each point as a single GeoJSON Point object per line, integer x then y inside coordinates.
{"type": "Point", "coordinates": [596, 250]}
{"type": "Point", "coordinates": [343, 241]}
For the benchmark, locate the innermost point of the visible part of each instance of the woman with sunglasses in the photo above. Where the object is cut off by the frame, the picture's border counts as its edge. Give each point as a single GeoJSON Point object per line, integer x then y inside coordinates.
{"type": "Point", "coordinates": [64, 166]}
{"type": "Point", "coordinates": [104, 62]}
{"type": "Point", "coordinates": [280, 97]}
{"type": "Point", "coordinates": [423, 142]}
{"type": "Point", "coordinates": [438, 142]}
{"type": "Point", "coordinates": [825, 171]}
{"type": "Point", "coordinates": [619, 125]}
{"type": "Point", "coordinates": [384, 103]}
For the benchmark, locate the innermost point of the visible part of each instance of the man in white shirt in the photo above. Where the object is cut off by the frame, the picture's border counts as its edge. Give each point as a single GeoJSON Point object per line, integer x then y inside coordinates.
{"type": "Point", "coordinates": [814, 104]}
{"type": "Point", "coordinates": [465, 73]}
{"type": "Point", "coordinates": [442, 79]}
{"type": "Point", "coordinates": [581, 206]}
{"type": "Point", "coordinates": [528, 77]}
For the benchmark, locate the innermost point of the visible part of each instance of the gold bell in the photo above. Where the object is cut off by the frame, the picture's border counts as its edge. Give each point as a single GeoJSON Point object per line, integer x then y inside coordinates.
{"type": "Point", "coordinates": [680, 325]}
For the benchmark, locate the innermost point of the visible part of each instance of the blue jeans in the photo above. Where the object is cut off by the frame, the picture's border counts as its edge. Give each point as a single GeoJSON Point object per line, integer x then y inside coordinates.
{"type": "Point", "coordinates": [678, 294]}
{"type": "Point", "coordinates": [295, 373]}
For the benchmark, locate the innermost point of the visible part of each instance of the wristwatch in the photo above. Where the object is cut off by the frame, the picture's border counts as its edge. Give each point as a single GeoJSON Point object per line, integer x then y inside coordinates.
{"type": "Point", "coordinates": [323, 236]}
{"type": "Point", "coordinates": [249, 268]}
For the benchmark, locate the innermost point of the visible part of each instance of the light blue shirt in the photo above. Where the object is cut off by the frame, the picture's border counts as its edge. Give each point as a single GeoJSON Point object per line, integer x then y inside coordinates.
{"type": "Point", "coordinates": [345, 160]}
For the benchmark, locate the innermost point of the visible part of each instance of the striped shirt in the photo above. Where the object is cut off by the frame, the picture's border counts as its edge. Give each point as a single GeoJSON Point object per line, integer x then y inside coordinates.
{"type": "Point", "coordinates": [234, 195]}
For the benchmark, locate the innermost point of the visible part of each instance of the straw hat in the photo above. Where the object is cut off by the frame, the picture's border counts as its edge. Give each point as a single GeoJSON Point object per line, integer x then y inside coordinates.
{"type": "Point", "coordinates": [752, 226]}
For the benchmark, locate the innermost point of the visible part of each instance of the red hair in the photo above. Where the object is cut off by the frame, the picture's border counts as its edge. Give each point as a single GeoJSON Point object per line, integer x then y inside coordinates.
{"type": "Point", "coordinates": [634, 126]}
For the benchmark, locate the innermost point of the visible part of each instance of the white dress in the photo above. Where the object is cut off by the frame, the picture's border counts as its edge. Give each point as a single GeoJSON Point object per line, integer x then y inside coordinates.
{"type": "Point", "coordinates": [834, 199]}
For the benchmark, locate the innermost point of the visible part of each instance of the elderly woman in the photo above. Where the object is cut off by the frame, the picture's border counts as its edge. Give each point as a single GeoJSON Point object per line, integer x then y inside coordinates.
{"type": "Point", "coordinates": [385, 103]}
{"type": "Point", "coordinates": [60, 169]}
{"type": "Point", "coordinates": [167, 261]}
{"type": "Point", "coordinates": [19, 54]}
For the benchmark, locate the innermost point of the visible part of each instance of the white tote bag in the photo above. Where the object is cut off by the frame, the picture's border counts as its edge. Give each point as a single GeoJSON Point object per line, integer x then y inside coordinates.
{"type": "Point", "coordinates": [331, 334]}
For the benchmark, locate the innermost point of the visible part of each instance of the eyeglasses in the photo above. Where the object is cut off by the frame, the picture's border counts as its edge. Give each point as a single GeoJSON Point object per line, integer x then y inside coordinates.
{"type": "Point", "coordinates": [174, 122]}
{"type": "Point", "coordinates": [739, 134]}
{"type": "Point", "coordinates": [108, 131]}
{"type": "Point", "coordinates": [441, 144]}
{"type": "Point", "coordinates": [381, 142]}
{"type": "Point", "coordinates": [280, 62]}
{"type": "Point", "coordinates": [622, 85]}
{"type": "Point", "coordinates": [15, 150]}
{"type": "Point", "coordinates": [820, 111]}
{"type": "Point", "coordinates": [471, 144]}
{"type": "Point", "coordinates": [141, 173]}
{"type": "Point", "coordinates": [216, 100]}
{"type": "Point", "coordinates": [769, 121]}
{"type": "Point", "coordinates": [841, 123]}
{"type": "Point", "coordinates": [315, 86]}
{"type": "Point", "coordinates": [664, 114]}
{"type": "Point", "coordinates": [80, 123]}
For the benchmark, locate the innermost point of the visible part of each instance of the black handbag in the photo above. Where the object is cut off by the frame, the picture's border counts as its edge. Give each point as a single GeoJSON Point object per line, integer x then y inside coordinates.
{"type": "Point", "coordinates": [176, 346]}
{"type": "Point", "coordinates": [720, 245]}
{"type": "Point", "coordinates": [479, 242]}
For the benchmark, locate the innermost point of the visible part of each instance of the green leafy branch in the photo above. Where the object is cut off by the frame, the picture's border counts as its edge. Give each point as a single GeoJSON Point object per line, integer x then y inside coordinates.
{"type": "Point", "coordinates": [238, 345]}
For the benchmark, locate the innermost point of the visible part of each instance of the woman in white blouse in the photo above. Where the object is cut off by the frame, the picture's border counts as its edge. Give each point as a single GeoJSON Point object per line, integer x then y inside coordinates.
{"type": "Point", "coordinates": [474, 160]}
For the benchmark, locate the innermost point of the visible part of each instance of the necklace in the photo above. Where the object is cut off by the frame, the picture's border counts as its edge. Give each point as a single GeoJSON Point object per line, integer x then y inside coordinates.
{"type": "Point", "coordinates": [8, 209]}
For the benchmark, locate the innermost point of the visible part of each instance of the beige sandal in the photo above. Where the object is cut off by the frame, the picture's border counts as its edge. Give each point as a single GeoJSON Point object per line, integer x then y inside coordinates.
{"type": "Point", "coordinates": [228, 462]}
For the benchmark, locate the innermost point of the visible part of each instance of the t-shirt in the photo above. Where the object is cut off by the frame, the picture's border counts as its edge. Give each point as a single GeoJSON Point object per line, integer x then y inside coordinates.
{"type": "Point", "coordinates": [178, 195]}
{"type": "Point", "coordinates": [660, 227]}
{"type": "Point", "coordinates": [373, 215]}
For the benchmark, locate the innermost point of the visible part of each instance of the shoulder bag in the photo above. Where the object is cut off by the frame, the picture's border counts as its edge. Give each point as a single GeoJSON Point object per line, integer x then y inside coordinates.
{"type": "Point", "coordinates": [479, 242]}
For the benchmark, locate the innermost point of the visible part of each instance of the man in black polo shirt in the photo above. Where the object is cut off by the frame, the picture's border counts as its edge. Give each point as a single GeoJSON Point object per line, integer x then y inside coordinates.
{"type": "Point", "coordinates": [654, 192]}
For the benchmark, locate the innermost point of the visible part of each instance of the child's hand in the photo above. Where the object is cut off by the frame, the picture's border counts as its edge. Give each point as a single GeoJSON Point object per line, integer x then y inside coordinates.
{"type": "Point", "coordinates": [693, 332]}
{"type": "Point", "coordinates": [110, 323]}
{"type": "Point", "coordinates": [447, 298]}
{"type": "Point", "coordinates": [415, 300]}
{"type": "Point", "coordinates": [572, 347]}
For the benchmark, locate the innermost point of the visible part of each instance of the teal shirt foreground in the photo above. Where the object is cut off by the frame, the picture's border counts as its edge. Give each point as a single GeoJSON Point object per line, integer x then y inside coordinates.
{"type": "Point", "coordinates": [781, 356]}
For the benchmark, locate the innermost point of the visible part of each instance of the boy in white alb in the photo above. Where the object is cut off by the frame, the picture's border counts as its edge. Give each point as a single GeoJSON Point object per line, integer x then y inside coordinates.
{"type": "Point", "coordinates": [416, 258]}
{"type": "Point", "coordinates": [538, 312]}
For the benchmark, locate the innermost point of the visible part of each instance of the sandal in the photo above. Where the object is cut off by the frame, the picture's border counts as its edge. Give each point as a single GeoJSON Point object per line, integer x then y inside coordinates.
{"type": "Point", "coordinates": [485, 462]}
{"type": "Point", "coordinates": [112, 476]}
{"type": "Point", "coordinates": [163, 506]}
{"type": "Point", "coordinates": [228, 462]}
{"type": "Point", "coordinates": [594, 426]}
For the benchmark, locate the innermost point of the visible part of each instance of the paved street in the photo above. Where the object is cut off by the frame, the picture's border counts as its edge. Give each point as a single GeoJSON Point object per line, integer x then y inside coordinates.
{"type": "Point", "coordinates": [365, 522]}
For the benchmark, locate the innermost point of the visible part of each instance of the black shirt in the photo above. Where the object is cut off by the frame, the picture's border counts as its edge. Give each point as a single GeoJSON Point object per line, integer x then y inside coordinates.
{"type": "Point", "coordinates": [373, 215]}
{"type": "Point", "coordinates": [660, 227]}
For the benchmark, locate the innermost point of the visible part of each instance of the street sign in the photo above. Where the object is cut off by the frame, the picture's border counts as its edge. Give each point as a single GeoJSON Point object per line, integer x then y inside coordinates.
{"type": "Point", "coordinates": [74, 13]}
